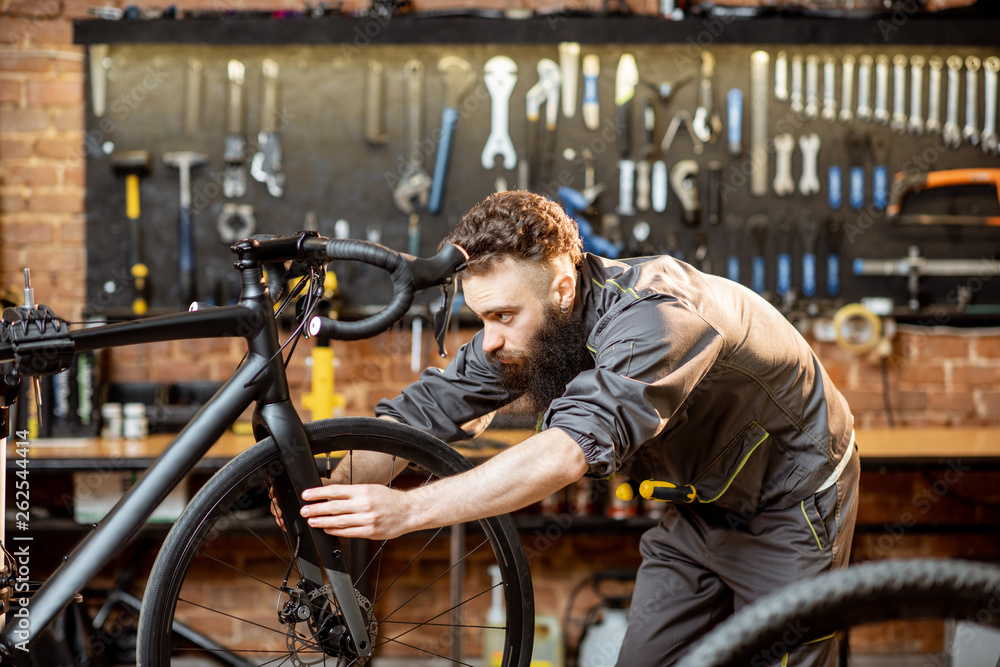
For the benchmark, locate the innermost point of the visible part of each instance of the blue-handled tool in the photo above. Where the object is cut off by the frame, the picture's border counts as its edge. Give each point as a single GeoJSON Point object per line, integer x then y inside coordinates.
{"type": "Point", "coordinates": [809, 231]}
{"type": "Point", "coordinates": [833, 239]}
{"type": "Point", "coordinates": [880, 172]}
{"type": "Point", "coordinates": [758, 278]}
{"type": "Point", "coordinates": [458, 78]}
{"type": "Point", "coordinates": [784, 274]}
{"type": "Point", "coordinates": [835, 187]}
{"type": "Point", "coordinates": [734, 120]}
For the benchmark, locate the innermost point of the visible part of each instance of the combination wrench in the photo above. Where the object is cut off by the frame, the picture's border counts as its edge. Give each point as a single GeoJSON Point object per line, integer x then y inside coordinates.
{"type": "Point", "coordinates": [809, 145]}
{"type": "Point", "coordinates": [899, 118]}
{"type": "Point", "coordinates": [500, 75]}
{"type": "Point", "coordinates": [795, 98]}
{"type": "Point", "coordinates": [882, 89]}
{"type": "Point", "coordinates": [951, 132]}
{"type": "Point", "coordinates": [784, 144]}
{"type": "Point", "coordinates": [864, 88]}
{"type": "Point", "coordinates": [812, 87]}
{"type": "Point", "coordinates": [935, 64]}
{"type": "Point", "coordinates": [990, 66]}
{"type": "Point", "coordinates": [971, 131]}
{"type": "Point", "coordinates": [916, 122]}
{"type": "Point", "coordinates": [829, 113]}
{"type": "Point", "coordinates": [847, 89]}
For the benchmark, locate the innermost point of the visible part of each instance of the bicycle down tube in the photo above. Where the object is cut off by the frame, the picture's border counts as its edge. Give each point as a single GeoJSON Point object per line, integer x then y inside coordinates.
{"type": "Point", "coordinates": [260, 378]}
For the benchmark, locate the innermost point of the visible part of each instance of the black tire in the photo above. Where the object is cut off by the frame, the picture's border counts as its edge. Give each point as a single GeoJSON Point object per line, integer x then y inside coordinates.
{"type": "Point", "coordinates": [867, 593]}
{"type": "Point", "coordinates": [246, 630]}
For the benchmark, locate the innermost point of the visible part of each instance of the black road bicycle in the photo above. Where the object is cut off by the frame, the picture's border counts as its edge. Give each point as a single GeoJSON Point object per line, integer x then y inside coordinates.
{"type": "Point", "coordinates": [299, 596]}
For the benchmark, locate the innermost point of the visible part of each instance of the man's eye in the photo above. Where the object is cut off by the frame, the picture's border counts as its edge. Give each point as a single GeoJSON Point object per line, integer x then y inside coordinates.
{"type": "Point", "coordinates": [504, 317]}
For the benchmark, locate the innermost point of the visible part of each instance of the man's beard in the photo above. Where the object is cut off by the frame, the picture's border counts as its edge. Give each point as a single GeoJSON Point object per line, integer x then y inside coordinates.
{"type": "Point", "coordinates": [554, 357]}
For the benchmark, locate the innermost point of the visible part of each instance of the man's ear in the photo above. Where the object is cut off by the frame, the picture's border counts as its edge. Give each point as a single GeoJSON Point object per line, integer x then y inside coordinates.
{"type": "Point", "coordinates": [564, 290]}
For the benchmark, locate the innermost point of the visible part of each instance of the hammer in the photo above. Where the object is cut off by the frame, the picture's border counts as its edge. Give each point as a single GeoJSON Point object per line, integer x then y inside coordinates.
{"type": "Point", "coordinates": [133, 165]}
{"type": "Point", "coordinates": [185, 161]}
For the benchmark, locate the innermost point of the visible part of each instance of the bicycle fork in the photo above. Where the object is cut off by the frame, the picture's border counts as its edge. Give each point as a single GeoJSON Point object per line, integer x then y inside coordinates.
{"type": "Point", "coordinates": [282, 423]}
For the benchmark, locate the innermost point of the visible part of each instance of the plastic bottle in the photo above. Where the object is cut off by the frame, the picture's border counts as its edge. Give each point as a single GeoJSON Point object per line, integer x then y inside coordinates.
{"type": "Point", "coordinates": [496, 618]}
{"type": "Point", "coordinates": [603, 640]}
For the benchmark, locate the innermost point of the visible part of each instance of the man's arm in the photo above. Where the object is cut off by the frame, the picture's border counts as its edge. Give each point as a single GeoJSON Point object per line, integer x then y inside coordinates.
{"type": "Point", "coordinates": [515, 478]}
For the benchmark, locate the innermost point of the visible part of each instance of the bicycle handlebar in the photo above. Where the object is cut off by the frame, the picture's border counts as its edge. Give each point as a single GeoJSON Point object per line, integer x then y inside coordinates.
{"type": "Point", "coordinates": [408, 273]}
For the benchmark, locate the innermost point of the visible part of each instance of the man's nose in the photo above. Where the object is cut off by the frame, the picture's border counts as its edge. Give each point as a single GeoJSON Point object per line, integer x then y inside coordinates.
{"type": "Point", "coordinates": [491, 339]}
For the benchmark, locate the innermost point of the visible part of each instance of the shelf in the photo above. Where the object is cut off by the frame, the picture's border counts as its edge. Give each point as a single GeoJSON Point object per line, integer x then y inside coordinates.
{"type": "Point", "coordinates": [698, 33]}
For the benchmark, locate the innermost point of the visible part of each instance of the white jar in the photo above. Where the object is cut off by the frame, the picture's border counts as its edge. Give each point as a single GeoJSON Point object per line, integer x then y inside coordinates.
{"type": "Point", "coordinates": [111, 420]}
{"type": "Point", "coordinates": [135, 426]}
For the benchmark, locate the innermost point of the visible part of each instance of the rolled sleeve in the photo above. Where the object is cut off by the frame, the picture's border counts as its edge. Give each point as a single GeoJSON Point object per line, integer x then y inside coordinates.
{"type": "Point", "coordinates": [441, 401]}
{"type": "Point", "coordinates": [649, 359]}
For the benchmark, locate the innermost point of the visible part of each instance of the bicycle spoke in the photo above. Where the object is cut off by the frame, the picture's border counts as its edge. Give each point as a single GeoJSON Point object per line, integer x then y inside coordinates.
{"type": "Point", "coordinates": [451, 625]}
{"type": "Point", "coordinates": [430, 653]}
{"type": "Point", "coordinates": [407, 566]}
{"type": "Point", "coordinates": [237, 618]}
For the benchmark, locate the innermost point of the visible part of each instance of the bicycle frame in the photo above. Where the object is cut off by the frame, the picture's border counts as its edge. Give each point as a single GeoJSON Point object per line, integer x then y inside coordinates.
{"type": "Point", "coordinates": [259, 379]}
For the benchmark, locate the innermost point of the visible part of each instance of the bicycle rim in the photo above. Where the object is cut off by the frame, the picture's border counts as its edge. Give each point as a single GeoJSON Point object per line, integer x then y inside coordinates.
{"type": "Point", "coordinates": [843, 599]}
{"type": "Point", "coordinates": [221, 571]}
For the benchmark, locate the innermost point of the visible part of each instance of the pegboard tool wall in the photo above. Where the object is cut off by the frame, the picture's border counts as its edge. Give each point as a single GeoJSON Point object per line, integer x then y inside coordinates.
{"type": "Point", "coordinates": [331, 172]}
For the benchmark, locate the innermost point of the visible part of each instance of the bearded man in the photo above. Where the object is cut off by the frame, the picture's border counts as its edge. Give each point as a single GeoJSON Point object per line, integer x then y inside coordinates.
{"type": "Point", "coordinates": [646, 367]}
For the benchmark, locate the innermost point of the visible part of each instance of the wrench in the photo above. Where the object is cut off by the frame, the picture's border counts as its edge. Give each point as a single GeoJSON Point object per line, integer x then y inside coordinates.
{"type": "Point", "coordinates": [899, 63]}
{"type": "Point", "coordinates": [539, 94]}
{"type": "Point", "coordinates": [829, 113]}
{"type": "Point", "coordinates": [882, 89]}
{"type": "Point", "coordinates": [812, 87]}
{"type": "Point", "coordinates": [781, 76]}
{"type": "Point", "coordinates": [707, 122]}
{"type": "Point", "coordinates": [864, 88]}
{"type": "Point", "coordinates": [784, 144]}
{"type": "Point", "coordinates": [759, 97]}
{"type": "Point", "coordinates": [415, 183]}
{"type": "Point", "coordinates": [684, 179]}
{"type": "Point", "coordinates": [971, 131]}
{"type": "Point", "coordinates": [458, 77]}
{"type": "Point", "coordinates": [935, 64]}
{"type": "Point", "coordinates": [847, 89]}
{"type": "Point", "coordinates": [952, 134]}
{"type": "Point", "coordinates": [991, 66]}
{"type": "Point", "coordinates": [500, 75]}
{"type": "Point", "coordinates": [796, 94]}
{"type": "Point", "coordinates": [809, 145]}
{"type": "Point", "coordinates": [626, 171]}
{"type": "Point", "coordinates": [658, 183]}
{"type": "Point", "coordinates": [916, 124]}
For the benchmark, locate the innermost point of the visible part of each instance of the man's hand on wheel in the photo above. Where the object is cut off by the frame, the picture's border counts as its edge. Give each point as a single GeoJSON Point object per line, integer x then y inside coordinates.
{"type": "Point", "coordinates": [370, 511]}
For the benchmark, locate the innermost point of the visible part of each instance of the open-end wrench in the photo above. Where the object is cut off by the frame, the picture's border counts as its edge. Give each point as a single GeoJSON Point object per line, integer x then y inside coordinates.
{"type": "Point", "coordinates": [916, 122]}
{"type": "Point", "coordinates": [795, 98]}
{"type": "Point", "coordinates": [864, 87]}
{"type": "Point", "coordinates": [781, 76]}
{"type": "Point", "coordinates": [882, 89]}
{"type": "Point", "coordinates": [899, 118]}
{"type": "Point", "coordinates": [829, 113]}
{"type": "Point", "coordinates": [971, 131]}
{"type": "Point", "coordinates": [951, 132]}
{"type": "Point", "coordinates": [935, 64]}
{"type": "Point", "coordinates": [809, 145]}
{"type": "Point", "coordinates": [990, 66]}
{"type": "Point", "coordinates": [784, 144]}
{"type": "Point", "coordinates": [458, 76]}
{"type": "Point", "coordinates": [759, 97]}
{"type": "Point", "coordinates": [847, 89]}
{"type": "Point", "coordinates": [812, 87]}
{"type": "Point", "coordinates": [500, 75]}
{"type": "Point", "coordinates": [707, 121]}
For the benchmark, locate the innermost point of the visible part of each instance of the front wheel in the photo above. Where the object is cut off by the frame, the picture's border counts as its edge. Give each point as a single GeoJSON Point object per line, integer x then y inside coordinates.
{"type": "Point", "coordinates": [225, 586]}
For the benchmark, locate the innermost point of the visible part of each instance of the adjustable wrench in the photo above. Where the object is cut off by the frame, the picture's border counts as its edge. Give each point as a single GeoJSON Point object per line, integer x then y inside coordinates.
{"type": "Point", "coordinates": [847, 89]}
{"type": "Point", "coordinates": [500, 75]}
{"type": "Point", "coordinates": [990, 66]}
{"type": "Point", "coordinates": [809, 145]}
{"type": "Point", "coordinates": [864, 88]}
{"type": "Point", "coordinates": [707, 121]}
{"type": "Point", "coordinates": [234, 180]}
{"type": "Point", "coordinates": [812, 87]}
{"type": "Point", "coordinates": [916, 123]}
{"type": "Point", "coordinates": [781, 76]}
{"type": "Point", "coordinates": [795, 98]}
{"type": "Point", "coordinates": [952, 133]}
{"type": "Point", "coordinates": [935, 64]}
{"type": "Point", "coordinates": [882, 89]}
{"type": "Point", "coordinates": [784, 144]}
{"type": "Point", "coordinates": [898, 124]}
{"type": "Point", "coordinates": [971, 131]}
{"type": "Point", "coordinates": [829, 113]}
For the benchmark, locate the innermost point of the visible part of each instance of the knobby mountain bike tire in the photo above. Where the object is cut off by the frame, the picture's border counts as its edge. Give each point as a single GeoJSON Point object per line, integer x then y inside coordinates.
{"type": "Point", "coordinates": [867, 593]}
{"type": "Point", "coordinates": [209, 596]}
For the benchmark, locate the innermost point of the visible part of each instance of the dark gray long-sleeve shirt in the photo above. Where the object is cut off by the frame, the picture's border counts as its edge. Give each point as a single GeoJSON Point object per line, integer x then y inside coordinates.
{"type": "Point", "coordinates": [692, 379]}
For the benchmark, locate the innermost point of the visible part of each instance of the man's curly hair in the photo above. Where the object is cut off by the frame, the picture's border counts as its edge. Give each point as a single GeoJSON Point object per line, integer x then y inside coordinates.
{"type": "Point", "coordinates": [516, 225]}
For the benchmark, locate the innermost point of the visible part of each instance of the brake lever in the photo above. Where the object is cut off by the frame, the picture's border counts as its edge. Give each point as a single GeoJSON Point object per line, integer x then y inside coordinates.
{"type": "Point", "coordinates": [442, 318]}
